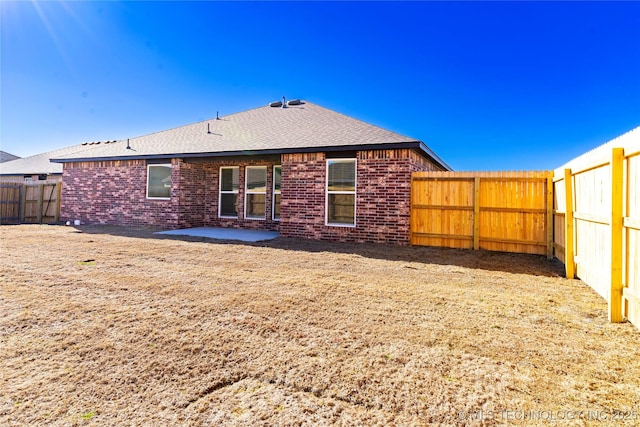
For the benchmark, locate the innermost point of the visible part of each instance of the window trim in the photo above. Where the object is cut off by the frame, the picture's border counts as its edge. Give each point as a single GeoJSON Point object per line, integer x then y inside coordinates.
{"type": "Point", "coordinates": [166, 165]}
{"type": "Point", "coordinates": [327, 192]}
{"type": "Point", "coordinates": [221, 192]}
{"type": "Point", "coordinates": [275, 192]}
{"type": "Point", "coordinates": [247, 192]}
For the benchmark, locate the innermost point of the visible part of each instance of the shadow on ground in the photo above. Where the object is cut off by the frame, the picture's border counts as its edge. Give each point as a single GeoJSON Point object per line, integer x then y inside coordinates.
{"type": "Point", "coordinates": [536, 265]}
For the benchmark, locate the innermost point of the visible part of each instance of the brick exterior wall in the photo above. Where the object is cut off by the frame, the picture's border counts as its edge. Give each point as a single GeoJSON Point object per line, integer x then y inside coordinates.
{"type": "Point", "coordinates": [383, 190]}
{"type": "Point", "coordinates": [303, 187]}
{"type": "Point", "coordinates": [114, 192]}
{"type": "Point", "coordinates": [200, 184]}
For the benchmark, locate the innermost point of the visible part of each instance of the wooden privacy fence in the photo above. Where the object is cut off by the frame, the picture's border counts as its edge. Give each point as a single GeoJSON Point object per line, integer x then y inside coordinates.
{"type": "Point", "coordinates": [500, 211]}
{"type": "Point", "coordinates": [588, 216]}
{"type": "Point", "coordinates": [30, 202]}
{"type": "Point", "coordinates": [597, 224]}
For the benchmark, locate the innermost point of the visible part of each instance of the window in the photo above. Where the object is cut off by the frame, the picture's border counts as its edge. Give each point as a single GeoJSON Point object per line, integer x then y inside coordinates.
{"type": "Point", "coordinates": [277, 179]}
{"type": "Point", "coordinates": [341, 192]}
{"type": "Point", "coordinates": [255, 192]}
{"type": "Point", "coordinates": [159, 182]}
{"type": "Point", "coordinates": [228, 205]}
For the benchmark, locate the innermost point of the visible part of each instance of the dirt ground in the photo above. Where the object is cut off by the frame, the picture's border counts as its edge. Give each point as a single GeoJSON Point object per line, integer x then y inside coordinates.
{"type": "Point", "coordinates": [115, 326]}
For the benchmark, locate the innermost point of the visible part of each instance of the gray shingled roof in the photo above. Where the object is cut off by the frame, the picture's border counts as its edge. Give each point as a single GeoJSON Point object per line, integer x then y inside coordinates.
{"type": "Point", "coordinates": [304, 127]}
{"type": "Point", "coordinates": [38, 163]}
{"type": "Point", "coordinates": [7, 157]}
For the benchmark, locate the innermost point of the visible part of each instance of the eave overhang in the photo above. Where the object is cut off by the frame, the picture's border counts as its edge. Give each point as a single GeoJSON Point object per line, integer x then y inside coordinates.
{"type": "Point", "coordinates": [416, 145]}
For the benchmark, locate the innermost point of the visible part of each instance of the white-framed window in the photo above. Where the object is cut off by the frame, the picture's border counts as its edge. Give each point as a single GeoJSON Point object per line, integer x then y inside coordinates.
{"type": "Point", "coordinates": [228, 200]}
{"type": "Point", "coordinates": [159, 181]}
{"type": "Point", "coordinates": [341, 192]}
{"type": "Point", "coordinates": [255, 194]}
{"type": "Point", "coordinates": [277, 180]}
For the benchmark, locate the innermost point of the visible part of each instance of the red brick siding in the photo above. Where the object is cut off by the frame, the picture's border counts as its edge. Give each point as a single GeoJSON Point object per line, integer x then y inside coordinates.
{"type": "Point", "coordinates": [115, 193]}
{"type": "Point", "coordinates": [303, 193]}
{"type": "Point", "coordinates": [383, 191]}
{"type": "Point", "coordinates": [211, 171]}
{"type": "Point", "coordinates": [191, 191]}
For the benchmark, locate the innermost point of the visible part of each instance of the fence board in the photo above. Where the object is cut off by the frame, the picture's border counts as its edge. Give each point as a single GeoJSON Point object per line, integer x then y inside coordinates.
{"type": "Point", "coordinates": [605, 239]}
{"type": "Point", "coordinates": [631, 239]}
{"type": "Point", "coordinates": [9, 202]}
{"type": "Point", "coordinates": [37, 202]}
{"type": "Point", "coordinates": [498, 211]}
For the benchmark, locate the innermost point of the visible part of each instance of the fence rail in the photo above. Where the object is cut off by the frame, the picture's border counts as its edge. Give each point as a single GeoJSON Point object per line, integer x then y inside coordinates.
{"type": "Point", "coordinates": [597, 224]}
{"type": "Point", "coordinates": [587, 215]}
{"type": "Point", "coordinates": [500, 211]}
{"type": "Point", "coordinates": [30, 202]}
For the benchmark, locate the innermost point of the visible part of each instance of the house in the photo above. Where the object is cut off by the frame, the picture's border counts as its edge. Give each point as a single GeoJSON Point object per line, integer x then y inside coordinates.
{"type": "Point", "coordinates": [6, 157]}
{"type": "Point", "coordinates": [295, 167]}
{"type": "Point", "coordinates": [37, 167]}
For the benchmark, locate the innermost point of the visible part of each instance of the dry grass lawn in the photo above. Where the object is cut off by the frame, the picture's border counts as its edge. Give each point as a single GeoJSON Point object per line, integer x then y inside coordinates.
{"type": "Point", "coordinates": [116, 326]}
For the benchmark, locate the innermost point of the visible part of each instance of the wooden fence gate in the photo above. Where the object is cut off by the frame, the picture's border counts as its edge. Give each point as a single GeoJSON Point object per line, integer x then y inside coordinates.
{"type": "Point", "coordinates": [37, 203]}
{"type": "Point", "coordinates": [499, 211]}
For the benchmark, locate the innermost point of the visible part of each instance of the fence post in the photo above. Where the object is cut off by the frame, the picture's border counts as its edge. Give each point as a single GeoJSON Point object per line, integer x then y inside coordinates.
{"type": "Point", "coordinates": [476, 213]}
{"type": "Point", "coordinates": [549, 215]}
{"type": "Point", "coordinates": [23, 200]}
{"type": "Point", "coordinates": [569, 265]}
{"type": "Point", "coordinates": [58, 200]}
{"type": "Point", "coordinates": [40, 202]}
{"type": "Point", "coordinates": [617, 187]}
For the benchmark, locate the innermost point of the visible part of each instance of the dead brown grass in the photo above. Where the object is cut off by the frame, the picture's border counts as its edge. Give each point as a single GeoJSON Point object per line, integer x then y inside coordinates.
{"type": "Point", "coordinates": [115, 326]}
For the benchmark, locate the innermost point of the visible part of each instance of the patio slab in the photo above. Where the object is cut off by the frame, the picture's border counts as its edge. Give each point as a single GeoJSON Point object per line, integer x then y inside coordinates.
{"type": "Point", "coordinates": [225, 233]}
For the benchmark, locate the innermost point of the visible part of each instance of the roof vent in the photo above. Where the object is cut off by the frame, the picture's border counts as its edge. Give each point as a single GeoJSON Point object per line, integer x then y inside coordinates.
{"type": "Point", "coordinates": [295, 102]}
{"type": "Point", "coordinates": [276, 104]}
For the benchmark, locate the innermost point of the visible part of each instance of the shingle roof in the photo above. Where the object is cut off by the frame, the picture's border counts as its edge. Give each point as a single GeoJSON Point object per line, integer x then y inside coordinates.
{"type": "Point", "coordinates": [38, 163]}
{"type": "Point", "coordinates": [304, 127]}
{"type": "Point", "coordinates": [7, 157]}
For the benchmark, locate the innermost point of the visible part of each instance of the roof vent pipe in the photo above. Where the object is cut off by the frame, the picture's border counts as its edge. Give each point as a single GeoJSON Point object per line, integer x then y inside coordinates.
{"type": "Point", "coordinates": [217, 117]}
{"type": "Point", "coordinates": [128, 146]}
{"type": "Point", "coordinates": [284, 102]}
{"type": "Point", "coordinates": [208, 129]}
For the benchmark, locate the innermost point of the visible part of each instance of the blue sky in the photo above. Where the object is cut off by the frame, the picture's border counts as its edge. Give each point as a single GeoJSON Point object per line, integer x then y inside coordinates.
{"type": "Point", "coordinates": [488, 86]}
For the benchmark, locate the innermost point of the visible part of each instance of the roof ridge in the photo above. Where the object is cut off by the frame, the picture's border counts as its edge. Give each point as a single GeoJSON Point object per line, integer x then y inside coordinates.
{"type": "Point", "coordinates": [365, 122]}
{"type": "Point", "coordinates": [199, 121]}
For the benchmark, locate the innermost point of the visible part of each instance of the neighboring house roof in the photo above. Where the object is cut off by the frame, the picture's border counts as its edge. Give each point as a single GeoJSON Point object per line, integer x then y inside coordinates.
{"type": "Point", "coordinates": [305, 127]}
{"type": "Point", "coordinates": [39, 163]}
{"type": "Point", "coordinates": [7, 157]}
